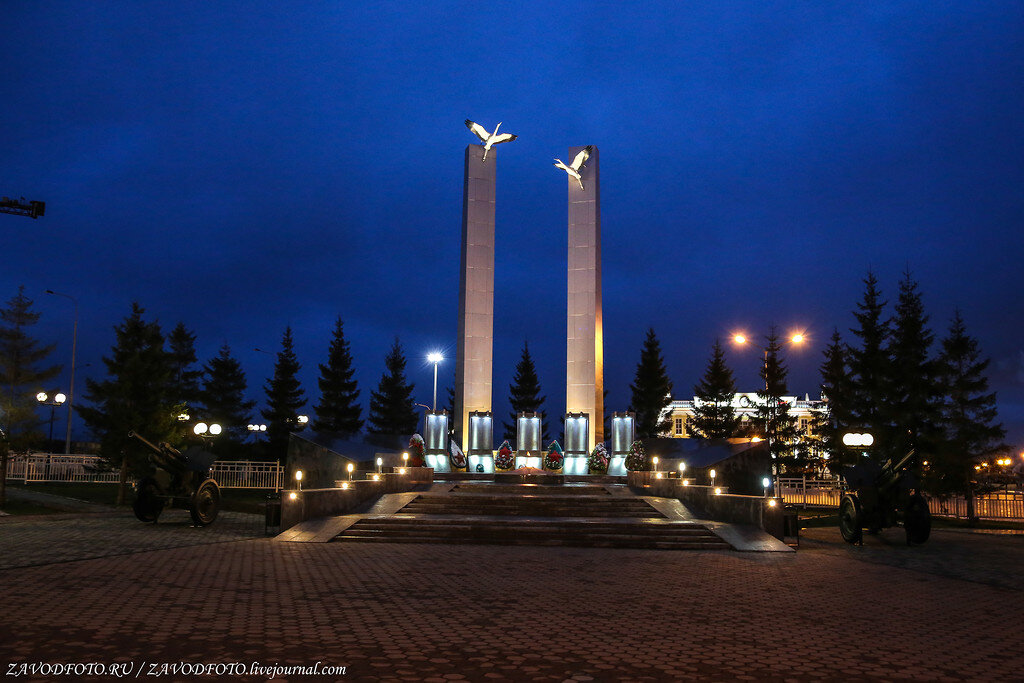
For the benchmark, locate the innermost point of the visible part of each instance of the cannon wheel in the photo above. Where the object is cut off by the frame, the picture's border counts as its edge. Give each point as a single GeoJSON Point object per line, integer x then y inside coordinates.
{"type": "Point", "coordinates": [850, 519]}
{"type": "Point", "coordinates": [148, 504]}
{"type": "Point", "coordinates": [917, 521]}
{"type": "Point", "coordinates": [205, 503]}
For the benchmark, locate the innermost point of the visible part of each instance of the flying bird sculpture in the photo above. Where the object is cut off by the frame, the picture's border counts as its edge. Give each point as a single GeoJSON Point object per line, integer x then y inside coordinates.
{"type": "Point", "coordinates": [573, 169]}
{"type": "Point", "coordinates": [489, 139]}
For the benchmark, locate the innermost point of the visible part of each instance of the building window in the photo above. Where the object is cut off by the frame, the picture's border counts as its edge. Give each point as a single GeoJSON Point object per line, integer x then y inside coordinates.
{"type": "Point", "coordinates": [804, 424]}
{"type": "Point", "coordinates": [679, 426]}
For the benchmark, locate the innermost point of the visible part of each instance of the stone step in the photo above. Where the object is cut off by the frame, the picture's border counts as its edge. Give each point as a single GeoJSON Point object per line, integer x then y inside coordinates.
{"type": "Point", "coordinates": [522, 511]}
{"type": "Point", "coordinates": [564, 533]}
{"type": "Point", "coordinates": [413, 523]}
{"type": "Point", "coordinates": [531, 490]}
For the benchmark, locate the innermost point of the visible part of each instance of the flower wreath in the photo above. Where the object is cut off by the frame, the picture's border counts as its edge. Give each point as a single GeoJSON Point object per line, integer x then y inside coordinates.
{"type": "Point", "coordinates": [505, 459]}
{"type": "Point", "coordinates": [554, 458]}
{"type": "Point", "coordinates": [598, 461]}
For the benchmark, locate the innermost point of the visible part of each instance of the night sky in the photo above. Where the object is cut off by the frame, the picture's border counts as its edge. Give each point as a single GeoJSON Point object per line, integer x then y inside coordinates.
{"type": "Point", "coordinates": [243, 167]}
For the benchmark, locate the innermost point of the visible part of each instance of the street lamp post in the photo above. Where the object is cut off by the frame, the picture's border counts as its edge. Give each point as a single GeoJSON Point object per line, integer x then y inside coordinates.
{"type": "Point", "coordinates": [435, 358]}
{"type": "Point", "coordinates": [797, 338]}
{"type": "Point", "coordinates": [44, 399]}
{"type": "Point", "coordinates": [71, 387]}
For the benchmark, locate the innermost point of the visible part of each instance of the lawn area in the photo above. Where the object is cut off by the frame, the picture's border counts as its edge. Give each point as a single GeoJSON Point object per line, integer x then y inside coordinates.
{"type": "Point", "coordinates": [237, 500]}
{"type": "Point", "coordinates": [821, 517]}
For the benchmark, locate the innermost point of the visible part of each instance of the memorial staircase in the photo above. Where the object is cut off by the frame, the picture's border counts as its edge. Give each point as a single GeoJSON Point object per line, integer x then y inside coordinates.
{"type": "Point", "coordinates": [568, 515]}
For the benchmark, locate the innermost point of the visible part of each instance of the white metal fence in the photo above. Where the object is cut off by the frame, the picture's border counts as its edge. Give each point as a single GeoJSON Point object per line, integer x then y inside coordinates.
{"type": "Point", "coordinates": [41, 467]}
{"type": "Point", "coordinates": [828, 492]}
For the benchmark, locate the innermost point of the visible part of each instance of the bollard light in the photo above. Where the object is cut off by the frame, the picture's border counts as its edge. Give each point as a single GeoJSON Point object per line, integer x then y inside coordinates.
{"type": "Point", "coordinates": [344, 485]}
{"type": "Point", "coordinates": [771, 503]}
{"type": "Point", "coordinates": [376, 477]}
{"type": "Point", "coordinates": [292, 495]}
{"type": "Point", "coordinates": [351, 468]}
{"type": "Point", "coordinates": [401, 470]}
{"type": "Point", "coordinates": [718, 492]}
{"type": "Point", "coordinates": [658, 475]}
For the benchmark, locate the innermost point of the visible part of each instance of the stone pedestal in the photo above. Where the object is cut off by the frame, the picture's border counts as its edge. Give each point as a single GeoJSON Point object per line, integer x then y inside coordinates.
{"type": "Point", "coordinates": [584, 372]}
{"type": "Point", "coordinates": [474, 356]}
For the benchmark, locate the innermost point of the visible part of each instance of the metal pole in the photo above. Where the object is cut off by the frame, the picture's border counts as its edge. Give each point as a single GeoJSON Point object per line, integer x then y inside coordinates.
{"type": "Point", "coordinates": [435, 387]}
{"type": "Point", "coordinates": [71, 389]}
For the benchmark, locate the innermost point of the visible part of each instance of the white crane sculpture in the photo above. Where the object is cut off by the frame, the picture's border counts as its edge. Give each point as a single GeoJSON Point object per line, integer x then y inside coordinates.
{"type": "Point", "coordinates": [489, 139]}
{"type": "Point", "coordinates": [574, 168]}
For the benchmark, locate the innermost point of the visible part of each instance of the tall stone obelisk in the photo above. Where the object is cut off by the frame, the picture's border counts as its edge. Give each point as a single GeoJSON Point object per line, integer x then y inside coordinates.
{"type": "Point", "coordinates": [584, 369]}
{"type": "Point", "coordinates": [474, 358]}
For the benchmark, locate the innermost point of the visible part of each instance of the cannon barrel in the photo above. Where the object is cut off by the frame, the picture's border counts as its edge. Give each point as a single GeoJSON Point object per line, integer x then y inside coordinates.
{"type": "Point", "coordinates": [164, 455]}
{"type": "Point", "coordinates": [890, 474]}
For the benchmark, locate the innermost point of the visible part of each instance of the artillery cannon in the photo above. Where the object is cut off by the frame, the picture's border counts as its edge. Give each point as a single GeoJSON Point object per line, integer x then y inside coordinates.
{"type": "Point", "coordinates": [177, 475]}
{"type": "Point", "coordinates": [884, 496]}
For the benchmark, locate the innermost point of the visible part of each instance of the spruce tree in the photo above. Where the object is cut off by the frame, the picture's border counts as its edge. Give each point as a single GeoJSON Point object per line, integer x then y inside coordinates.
{"type": "Point", "coordinates": [524, 394]}
{"type": "Point", "coordinates": [20, 379]}
{"type": "Point", "coordinates": [968, 412]}
{"type": "Point", "coordinates": [911, 405]}
{"type": "Point", "coordinates": [869, 366]}
{"type": "Point", "coordinates": [713, 414]}
{"type": "Point", "coordinates": [285, 398]}
{"type": "Point", "coordinates": [136, 396]}
{"type": "Point", "coordinates": [223, 402]}
{"type": "Point", "coordinates": [181, 345]}
{"type": "Point", "coordinates": [338, 411]}
{"type": "Point", "coordinates": [773, 421]}
{"type": "Point", "coordinates": [651, 390]}
{"type": "Point", "coordinates": [391, 405]}
{"type": "Point", "coordinates": [834, 420]}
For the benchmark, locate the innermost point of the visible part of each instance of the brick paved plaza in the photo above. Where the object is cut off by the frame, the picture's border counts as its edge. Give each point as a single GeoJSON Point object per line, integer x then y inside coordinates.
{"type": "Point", "coordinates": [105, 588]}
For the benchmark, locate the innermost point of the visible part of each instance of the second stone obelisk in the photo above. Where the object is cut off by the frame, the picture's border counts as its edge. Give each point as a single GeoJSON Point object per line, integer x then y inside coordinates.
{"type": "Point", "coordinates": [584, 370]}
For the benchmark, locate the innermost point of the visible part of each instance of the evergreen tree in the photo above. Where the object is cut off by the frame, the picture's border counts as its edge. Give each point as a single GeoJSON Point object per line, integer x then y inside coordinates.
{"type": "Point", "coordinates": [223, 401]}
{"type": "Point", "coordinates": [524, 394]}
{"type": "Point", "coordinates": [181, 344]}
{"type": "Point", "coordinates": [912, 402]}
{"type": "Point", "coordinates": [869, 365]}
{"type": "Point", "coordinates": [391, 406]}
{"type": "Point", "coordinates": [285, 398]}
{"type": "Point", "coordinates": [136, 396]}
{"type": "Point", "coordinates": [773, 421]}
{"type": "Point", "coordinates": [834, 420]}
{"type": "Point", "coordinates": [338, 411]}
{"type": "Point", "coordinates": [968, 414]}
{"type": "Point", "coordinates": [651, 390]}
{"type": "Point", "coordinates": [20, 379]}
{"type": "Point", "coordinates": [713, 414]}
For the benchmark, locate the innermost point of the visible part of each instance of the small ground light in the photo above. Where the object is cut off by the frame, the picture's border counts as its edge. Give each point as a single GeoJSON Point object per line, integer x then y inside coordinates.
{"type": "Point", "coordinates": [771, 503]}
{"type": "Point", "coordinates": [686, 482]}
{"type": "Point", "coordinates": [351, 467]}
{"type": "Point", "coordinates": [401, 470]}
{"type": "Point", "coordinates": [718, 492]}
{"type": "Point", "coordinates": [376, 477]}
{"type": "Point", "coordinates": [344, 485]}
{"type": "Point", "coordinates": [658, 475]}
{"type": "Point", "coordinates": [292, 495]}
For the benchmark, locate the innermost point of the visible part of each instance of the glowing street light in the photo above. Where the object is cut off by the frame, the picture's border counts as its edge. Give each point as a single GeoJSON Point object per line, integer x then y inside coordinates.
{"type": "Point", "coordinates": [44, 399]}
{"type": "Point", "coordinates": [712, 473]}
{"type": "Point", "coordinates": [766, 482]}
{"type": "Point", "coordinates": [380, 464]}
{"type": "Point", "coordinates": [655, 463]}
{"type": "Point", "coordinates": [435, 358]}
{"type": "Point", "coordinates": [350, 468]}
{"type": "Point", "coordinates": [682, 469]}
{"type": "Point", "coordinates": [298, 478]}
{"type": "Point", "coordinates": [74, 349]}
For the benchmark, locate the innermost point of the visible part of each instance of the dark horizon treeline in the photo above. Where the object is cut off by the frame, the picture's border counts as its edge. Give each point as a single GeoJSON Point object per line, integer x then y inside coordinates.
{"type": "Point", "coordinates": [890, 379]}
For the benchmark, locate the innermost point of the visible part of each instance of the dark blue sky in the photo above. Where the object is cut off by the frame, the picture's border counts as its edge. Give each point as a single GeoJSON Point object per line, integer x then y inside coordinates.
{"type": "Point", "coordinates": [246, 167]}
